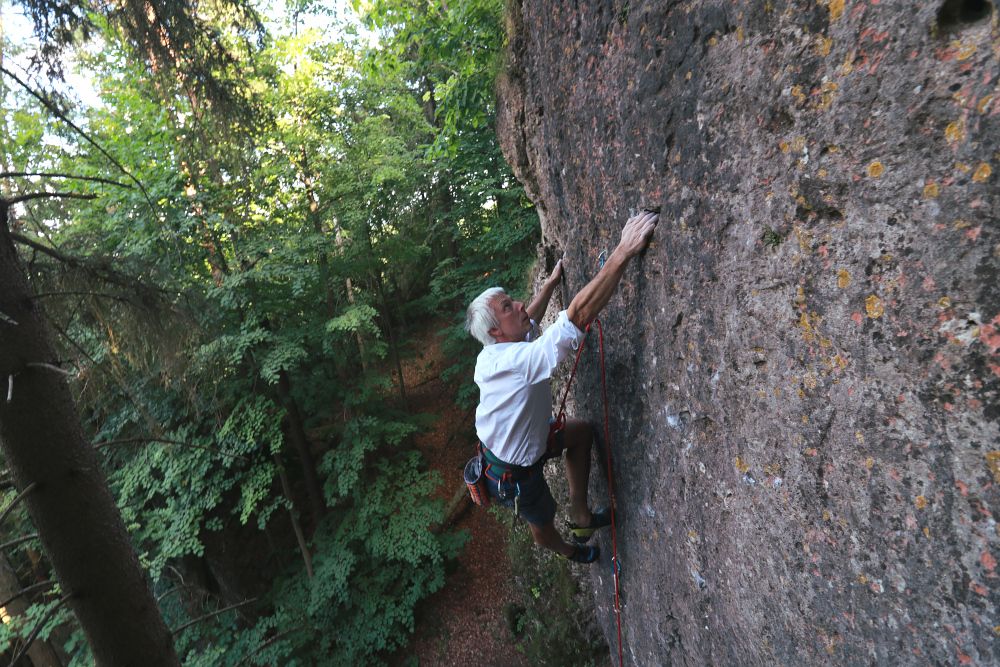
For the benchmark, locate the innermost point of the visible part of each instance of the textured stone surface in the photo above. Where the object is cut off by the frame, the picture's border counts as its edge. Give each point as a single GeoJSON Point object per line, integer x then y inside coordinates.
{"type": "Point", "coordinates": [804, 369]}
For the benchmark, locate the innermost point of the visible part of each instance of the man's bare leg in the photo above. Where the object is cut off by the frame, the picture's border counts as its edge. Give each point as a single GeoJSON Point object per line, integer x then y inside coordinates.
{"type": "Point", "coordinates": [578, 438]}
{"type": "Point", "coordinates": [547, 536]}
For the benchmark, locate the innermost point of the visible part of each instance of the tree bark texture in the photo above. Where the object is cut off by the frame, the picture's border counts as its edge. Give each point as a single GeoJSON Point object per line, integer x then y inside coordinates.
{"type": "Point", "coordinates": [71, 506]}
{"type": "Point", "coordinates": [803, 368]}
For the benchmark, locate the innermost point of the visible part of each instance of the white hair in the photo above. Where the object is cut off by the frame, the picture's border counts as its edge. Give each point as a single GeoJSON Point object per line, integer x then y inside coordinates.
{"type": "Point", "coordinates": [480, 318]}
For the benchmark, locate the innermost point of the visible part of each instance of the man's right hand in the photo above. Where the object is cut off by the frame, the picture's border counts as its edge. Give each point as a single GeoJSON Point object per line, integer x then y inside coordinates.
{"type": "Point", "coordinates": [637, 233]}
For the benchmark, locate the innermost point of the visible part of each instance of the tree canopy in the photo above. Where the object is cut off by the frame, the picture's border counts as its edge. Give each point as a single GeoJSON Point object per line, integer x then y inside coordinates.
{"type": "Point", "coordinates": [232, 251]}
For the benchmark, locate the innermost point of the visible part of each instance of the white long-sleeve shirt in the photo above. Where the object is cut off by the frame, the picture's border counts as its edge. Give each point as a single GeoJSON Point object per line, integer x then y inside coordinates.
{"type": "Point", "coordinates": [515, 399]}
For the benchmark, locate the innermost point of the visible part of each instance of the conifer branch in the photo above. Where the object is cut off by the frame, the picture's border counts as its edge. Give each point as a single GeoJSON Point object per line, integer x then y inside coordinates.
{"type": "Point", "coordinates": [58, 113]}
{"type": "Point", "coordinates": [49, 174]}
{"type": "Point", "coordinates": [128, 441]}
{"type": "Point", "coordinates": [17, 499]}
{"type": "Point", "coordinates": [43, 585]}
{"type": "Point", "coordinates": [209, 615]}
{"type": "Point", "coordinates": [38, 628]}
{"type": "Point", "coordinates": [14, 543]}
{"type": "Point", "coordinates": [46, 195]}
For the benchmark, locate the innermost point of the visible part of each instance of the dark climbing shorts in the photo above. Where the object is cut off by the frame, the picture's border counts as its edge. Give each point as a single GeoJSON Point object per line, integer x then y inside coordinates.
{"type": "Point", "coordinates": [535, 503]}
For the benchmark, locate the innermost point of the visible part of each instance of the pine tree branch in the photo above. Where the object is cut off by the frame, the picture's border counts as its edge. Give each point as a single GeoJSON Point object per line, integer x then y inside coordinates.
{"type": "Point", "coordinates": [49, 174]}
{"type": "Point", "coordinates": [205, 617]}
{"type": "Point", "coordinates": [14, 543]}
{"type": "Point", "coordinates": [128, 441]}
{"type": "Point", "coordinates": [38, 628]}
{"type": "Point", "coordinates": [46, 195]}
{"type": "Point", "coordinates": [58, 113]}
{"type": "Point", "coordinates": [14, 503]}
{"type": "Point", "coordinates": [41, 586]}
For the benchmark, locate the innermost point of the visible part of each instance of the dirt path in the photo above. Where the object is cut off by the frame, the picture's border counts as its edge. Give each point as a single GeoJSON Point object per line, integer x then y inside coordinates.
{"type": "Point", "coordinates": [463, 623]}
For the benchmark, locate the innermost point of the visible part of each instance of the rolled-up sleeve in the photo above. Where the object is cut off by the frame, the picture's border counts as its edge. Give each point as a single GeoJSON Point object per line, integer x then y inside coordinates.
{"type": "Point", "coordinates": [541, 357]}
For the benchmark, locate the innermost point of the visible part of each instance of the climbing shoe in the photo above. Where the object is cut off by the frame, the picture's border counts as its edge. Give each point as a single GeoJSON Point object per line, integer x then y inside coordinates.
{"type": "Point", "coordinates": [598, 519]}
{"type": "Point", "coordinates": [583, 554]}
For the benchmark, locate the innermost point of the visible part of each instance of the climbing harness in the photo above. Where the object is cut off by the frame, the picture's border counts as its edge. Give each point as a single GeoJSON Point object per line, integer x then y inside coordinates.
{"type": "Point", "coordinates": [559, 423]}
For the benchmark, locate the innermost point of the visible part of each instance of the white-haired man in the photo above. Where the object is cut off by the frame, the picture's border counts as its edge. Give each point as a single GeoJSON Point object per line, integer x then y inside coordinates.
{"type": "Point", "coordinates": [515, 400]}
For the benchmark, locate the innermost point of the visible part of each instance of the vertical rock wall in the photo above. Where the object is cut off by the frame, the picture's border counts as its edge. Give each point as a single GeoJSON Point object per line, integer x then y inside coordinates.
{"type": "Point", "coordinates": [804, 368]}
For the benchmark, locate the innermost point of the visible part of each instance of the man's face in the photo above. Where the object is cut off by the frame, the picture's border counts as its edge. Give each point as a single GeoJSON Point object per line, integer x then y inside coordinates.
{"type": "Point", "coordinates": [513, 320]}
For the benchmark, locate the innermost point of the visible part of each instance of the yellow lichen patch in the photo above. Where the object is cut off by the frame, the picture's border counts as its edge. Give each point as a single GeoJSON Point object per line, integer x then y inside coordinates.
{"type": "Point", "coordinates": [739, 34]}
{"type": "Point", "coordinates": [984, 104]}
{"type": "Point", "coordinates": [862, 579]}
{"type": "Point", "coordinates": [836, 8]}
{"type": "Point", "coordinates": [798, 143]}
{"type": "Point", "coordinates": [826, 515]}
{"type": "Point", "coordinates": [961, 224]}
{"type": "Point", "coordinates": [806, 326]}
{"type": "Point", "coordinates": [843, 279]}
{"type": "Point", "coordinates": [874, 307]}
{"type": "Point", "coordinates": [944, 302]}
{"type": "Point", "coordinates": [993, 461]}
{"type": "Point", "coordinates": [859, 436]}
{"type": "Point", "coordinates": [783, 145]}
{"type": "Point", "coordinates": [823, 46]}
{"type": "Point", "coordinates": [742, 465]}
{"type": "Point", "coordinates": [875, 169]}
{"type": "Point", "coordinates": [869, 463]}
{"type": "Point", "coordinates": [797, 93]}
{"type": "Point", "coordinates": [962, 167]}
{"type": "Point", "coordinates": [805, 419]}
{"type": "Point", "coordinates": [800, 295]}
{"type": "Point", "coordinates": [965, 50]}
{"type": "Point", "coordinates": [809, 380]}
{"type": "Point", "coordinates": [920, 502]}
{"type": "Point", "coordinates": [931, 190]}
{"type": "Point", "coordinates": [772, 469]}
{"type": "Point", "coordinates": [955, 131]}
{"type": "Point", "coordinates": [826, 95]}
{"type": "Point", "coordinates": [822, 173]}
{"type": "Point", "coordinates": [848, 65]}
{"type": "Point", "coordinates": [982, 173]}
{"type": "Point", "coordinates": [713, 40]}
{"type": "Point", "coordinates": [693, 535]}
{"type": "Point", "coordinates": [927, 532]}
{"type": "Point", "coordinates": [839, 362]}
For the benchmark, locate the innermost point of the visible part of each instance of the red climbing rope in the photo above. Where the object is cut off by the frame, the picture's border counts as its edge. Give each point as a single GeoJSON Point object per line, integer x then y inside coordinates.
{"type": "Point", "coordinates": [560, 422]}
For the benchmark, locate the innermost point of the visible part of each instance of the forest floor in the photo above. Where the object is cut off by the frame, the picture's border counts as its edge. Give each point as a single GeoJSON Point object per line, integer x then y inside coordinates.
{"type": "Point", "coordinates": [463, 623]}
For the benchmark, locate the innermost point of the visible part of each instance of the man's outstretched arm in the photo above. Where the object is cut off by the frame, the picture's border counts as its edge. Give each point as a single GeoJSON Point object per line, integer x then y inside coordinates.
{"type": "Point", "coordinates": [536, 309]}
{"type": "Point", "coordinates": [595, 295]}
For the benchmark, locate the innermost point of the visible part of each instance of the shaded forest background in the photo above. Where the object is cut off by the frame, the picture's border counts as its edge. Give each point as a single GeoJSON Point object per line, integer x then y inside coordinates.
{"type": "Point", "coordinates": [230, 252]}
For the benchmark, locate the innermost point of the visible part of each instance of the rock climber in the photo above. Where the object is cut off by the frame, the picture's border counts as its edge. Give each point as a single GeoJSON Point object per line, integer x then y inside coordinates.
{"type": "Point", "coordinates": [515, 401]}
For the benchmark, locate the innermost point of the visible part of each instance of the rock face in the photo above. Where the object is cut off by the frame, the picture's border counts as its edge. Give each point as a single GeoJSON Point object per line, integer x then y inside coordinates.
{"type": "Point", "coordinates": [803, 368]}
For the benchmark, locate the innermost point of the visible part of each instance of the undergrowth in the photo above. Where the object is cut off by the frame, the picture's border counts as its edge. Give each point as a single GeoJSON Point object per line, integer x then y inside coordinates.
{"type": "Point", "coordinates": [554, 623]}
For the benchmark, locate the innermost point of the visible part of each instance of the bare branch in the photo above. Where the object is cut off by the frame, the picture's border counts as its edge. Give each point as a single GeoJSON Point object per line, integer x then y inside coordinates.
{"type": "Point", "coordinates": [21, 496]}
{"type": "Point", "coordinates": [50, 367]}
{"type": "Point", "coordinates": [46, 195]}
{"type": "Point", "coordinates": [128, 441]}
{"type": "Point", "coordinates": [23, 538]}
{"type": "Point", "coordinates": [47, 174]}
{"type": "Point", "coordinates": [83, 293]}
{"type": "Point", "coordinates": [41, 586]}
{"type": "Point", "coordinates": [270, 641]}
{"type": "Point", "coordinates": [58, 113]}
{"type": "Point", "coordinates": [195, 621]}
{"type": "Point", "coordinates": [38, 628]}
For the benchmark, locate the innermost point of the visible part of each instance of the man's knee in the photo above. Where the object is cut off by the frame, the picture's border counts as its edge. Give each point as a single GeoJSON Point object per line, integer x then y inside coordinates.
{"type": "Point", "coordinates": [579, 433]}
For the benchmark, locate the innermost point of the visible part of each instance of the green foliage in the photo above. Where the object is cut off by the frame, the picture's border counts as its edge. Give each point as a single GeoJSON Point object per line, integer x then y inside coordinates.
{"type": "Point", "coordinates": [551, 626]}
{"type": "Point", "coordinates": [298, 244]}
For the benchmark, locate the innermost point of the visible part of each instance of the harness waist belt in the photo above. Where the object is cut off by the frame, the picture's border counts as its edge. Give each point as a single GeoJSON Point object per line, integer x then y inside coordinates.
{"type": "Point", "coordinates": [503, 467]}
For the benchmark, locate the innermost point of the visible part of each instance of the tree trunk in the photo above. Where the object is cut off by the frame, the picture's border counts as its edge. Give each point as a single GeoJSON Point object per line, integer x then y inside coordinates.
{"type": "Point", "coordinates": [297, 434]}
{"type": "Point", "coordinates": [71, 506]}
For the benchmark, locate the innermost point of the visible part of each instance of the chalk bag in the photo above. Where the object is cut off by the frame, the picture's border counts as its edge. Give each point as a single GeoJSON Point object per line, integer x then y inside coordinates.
{"type": "Point", "coordinates": [476, 481]}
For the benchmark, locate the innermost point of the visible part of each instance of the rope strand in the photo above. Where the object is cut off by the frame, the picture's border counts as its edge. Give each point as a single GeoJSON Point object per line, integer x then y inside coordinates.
{"type": "Point", "coordinates": [560, 422]}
